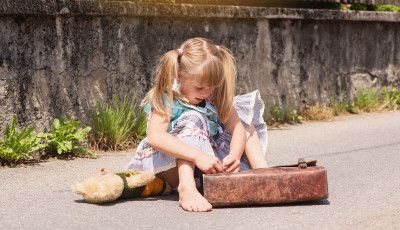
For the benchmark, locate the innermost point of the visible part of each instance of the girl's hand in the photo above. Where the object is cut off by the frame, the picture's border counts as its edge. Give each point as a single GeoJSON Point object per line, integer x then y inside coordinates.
{"type": "Point", "coordinates": [230, 164]}
{"type": "Point", "coordinates": [208, 164]}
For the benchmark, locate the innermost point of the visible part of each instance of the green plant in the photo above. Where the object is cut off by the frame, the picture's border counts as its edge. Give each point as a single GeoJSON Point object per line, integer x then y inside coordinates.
{"type": "Point", "coordinates": [352, 109]}
{"type": "Point", "coordinates": [294, 117]}
{"type": "Point", "coordinates": [113, 123]}
{"type": "Point", "coordinates": [65, 137]}
{"type": "Point", "coordinates": [366, 100]}
{"type": "Point", "coordinates": [391, 99]}
{"type": "Point", "coordinates": [339, 107]}
{"type": "Point", "coordinates": [390, 8]}
{"type": "Point", "coordinates": [282, 116]}
{"type": "Point", "coordinates": [140, 127]}
{"type": "Point", "coordinates": [240, 91]}
{"type": "Point", "coordinates": [339, 104]}
{"type": "Point", "coordinates": [17, 145]}
{"type": "Point", "coordinates": [359, 6]}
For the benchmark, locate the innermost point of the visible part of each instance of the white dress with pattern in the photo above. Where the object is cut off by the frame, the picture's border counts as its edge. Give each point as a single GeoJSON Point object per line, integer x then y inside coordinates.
{"type": "Point", "coordinates": [200, 128]}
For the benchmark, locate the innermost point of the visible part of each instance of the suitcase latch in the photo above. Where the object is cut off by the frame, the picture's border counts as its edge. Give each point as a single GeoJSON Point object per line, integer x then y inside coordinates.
{"type": "Point", "coordinates": [302, 163]}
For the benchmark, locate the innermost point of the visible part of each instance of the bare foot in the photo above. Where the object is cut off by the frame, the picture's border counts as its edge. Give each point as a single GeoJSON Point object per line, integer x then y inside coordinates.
{"type": "Point", "coordinates": [191, 200]}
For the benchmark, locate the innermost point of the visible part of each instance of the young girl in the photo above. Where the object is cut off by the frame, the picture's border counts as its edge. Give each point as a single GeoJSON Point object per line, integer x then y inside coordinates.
{"type": "Point", "coordinates": [196, 123]}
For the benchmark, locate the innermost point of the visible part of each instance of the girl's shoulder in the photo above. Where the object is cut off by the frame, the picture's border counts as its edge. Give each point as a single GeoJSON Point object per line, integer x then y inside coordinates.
{"type": "Point", "coordinates": [177, 106]}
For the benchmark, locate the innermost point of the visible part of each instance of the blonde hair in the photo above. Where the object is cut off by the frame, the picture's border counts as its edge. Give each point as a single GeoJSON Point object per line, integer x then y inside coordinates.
{"type": "Point", "coordinates": [201, 60]}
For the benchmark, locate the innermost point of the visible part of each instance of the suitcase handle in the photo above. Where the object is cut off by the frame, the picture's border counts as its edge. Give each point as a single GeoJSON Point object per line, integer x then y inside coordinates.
{"type": "Point", "coordinates": [302, 164]}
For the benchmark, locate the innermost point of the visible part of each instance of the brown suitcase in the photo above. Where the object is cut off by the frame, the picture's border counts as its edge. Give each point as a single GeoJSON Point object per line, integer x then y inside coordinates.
{"type": "Point", "coordinates": [282, 184]}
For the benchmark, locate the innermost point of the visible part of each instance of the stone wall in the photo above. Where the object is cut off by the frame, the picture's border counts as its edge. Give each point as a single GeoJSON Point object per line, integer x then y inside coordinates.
{"type": "Point", "coordinates": [62, 56]}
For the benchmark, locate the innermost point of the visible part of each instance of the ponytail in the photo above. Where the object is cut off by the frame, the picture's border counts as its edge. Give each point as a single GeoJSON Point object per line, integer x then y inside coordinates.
{"type": "Point", "coordinates": [167, 71]}
{"type": "Point", "coordinates": [223, 95]}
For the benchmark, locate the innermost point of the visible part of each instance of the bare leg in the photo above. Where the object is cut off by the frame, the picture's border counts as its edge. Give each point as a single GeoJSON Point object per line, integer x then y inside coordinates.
{"type": "Point", "coordinates": [253, 150]}
{"type": "Point", "coordinates": [170, 176]}
{"type": "Point", "coordinates": [189, 197]}
{"type": "Point", "coordinates": [182, 177]}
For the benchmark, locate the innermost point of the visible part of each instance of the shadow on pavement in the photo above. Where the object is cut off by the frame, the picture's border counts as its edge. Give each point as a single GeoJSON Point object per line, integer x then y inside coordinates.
{"type": "Point", "coordinates": [173, 197]}
{"type": "Point", "coordinates": [307, 203]}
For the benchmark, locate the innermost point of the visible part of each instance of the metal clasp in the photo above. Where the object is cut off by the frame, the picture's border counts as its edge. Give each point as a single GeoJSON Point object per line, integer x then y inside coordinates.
{"type": "Point", "coordinates": [302, 164]}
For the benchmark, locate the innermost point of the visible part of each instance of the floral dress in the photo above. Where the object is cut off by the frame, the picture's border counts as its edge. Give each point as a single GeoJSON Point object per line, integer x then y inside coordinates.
{"type": "Point", "coordinates": [200, 127]}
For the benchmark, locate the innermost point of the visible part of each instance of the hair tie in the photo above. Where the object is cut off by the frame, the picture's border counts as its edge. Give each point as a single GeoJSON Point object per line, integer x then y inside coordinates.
{"type": "Point", "coordinates": [217, 47]}
{"type": "Point", "coordinates": [180, 52]}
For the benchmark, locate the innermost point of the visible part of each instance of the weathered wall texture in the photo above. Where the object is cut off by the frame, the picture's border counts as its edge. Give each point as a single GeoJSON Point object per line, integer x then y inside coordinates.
{"type": "Point", "coordinates": [61, 56]}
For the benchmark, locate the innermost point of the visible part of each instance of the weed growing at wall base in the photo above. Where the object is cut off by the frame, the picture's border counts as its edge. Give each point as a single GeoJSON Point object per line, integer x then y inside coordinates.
{"type": "Point", "coordinates": [65, 137]}
{"type": "Point", "coordinates": [390, 99]}
{"type": "Point", "coordinates": [366, 100]}
{"type": "Point", "coordinates": [117, 125]}
{"type": "Point", "coordinates": [278, 116]}
{"type": "Point", "coordinates": [140, 127]}
{"type": "Point", "coordinates": [339, 105]}
{"type": "Point", "coordinates": [18, 145]}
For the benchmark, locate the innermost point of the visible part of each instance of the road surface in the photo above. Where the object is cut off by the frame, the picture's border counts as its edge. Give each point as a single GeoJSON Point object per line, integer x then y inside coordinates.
{"type": "Point", "coordinates": [361, 154]}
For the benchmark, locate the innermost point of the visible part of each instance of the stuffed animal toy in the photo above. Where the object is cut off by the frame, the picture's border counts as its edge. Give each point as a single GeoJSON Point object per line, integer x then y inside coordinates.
{"type": "Point", "coordinates": [106, 186]}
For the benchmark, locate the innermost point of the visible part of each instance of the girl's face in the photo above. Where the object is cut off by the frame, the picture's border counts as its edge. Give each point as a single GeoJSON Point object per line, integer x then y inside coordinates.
{"type": "Point", "coordinates": [194, 91]}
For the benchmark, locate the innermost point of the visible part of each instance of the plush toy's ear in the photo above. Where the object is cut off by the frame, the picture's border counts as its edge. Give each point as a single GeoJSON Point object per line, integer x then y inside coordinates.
{"type": "Point", "coordinates": [137, 180]}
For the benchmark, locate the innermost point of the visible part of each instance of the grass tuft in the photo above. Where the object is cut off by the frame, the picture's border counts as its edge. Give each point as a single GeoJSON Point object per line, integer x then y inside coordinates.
{"type": "Point", "coordinates": [390, 99]}
{"type": "Point", "coordinates": [117, 125]}
{"type": "Point", "coordinates": [366, 100]}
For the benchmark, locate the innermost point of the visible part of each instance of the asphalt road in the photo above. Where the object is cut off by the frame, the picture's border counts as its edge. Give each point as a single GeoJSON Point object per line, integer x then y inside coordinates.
{"type": "Point", "coordinates": [361, 154]}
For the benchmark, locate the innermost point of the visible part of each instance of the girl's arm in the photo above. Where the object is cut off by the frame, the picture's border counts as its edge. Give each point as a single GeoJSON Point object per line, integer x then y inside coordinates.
{"type": "Point", "coordinates": [160, 139]}
{"type": "Point", "coordinates": [232, 162]}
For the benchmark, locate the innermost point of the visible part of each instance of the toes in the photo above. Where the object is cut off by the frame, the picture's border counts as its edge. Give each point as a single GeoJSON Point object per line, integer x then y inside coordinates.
{"type": "Point", "coordinates": [201, 209]}
{"type": "Point", "coordinates": [204, 207]}
{"type": "Point", "coordinates": [207, 207]}
{"type": "Point", "coordinates": [194, 203]}
{"type": "Point", "coordinates": [191, 209]}
{"type": "Point", "coordinates": [187, 208]}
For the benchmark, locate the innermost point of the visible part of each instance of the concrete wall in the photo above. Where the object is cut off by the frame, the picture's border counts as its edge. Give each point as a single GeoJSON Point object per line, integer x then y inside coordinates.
{"type": "Point", "coordinates": [61, 56]}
